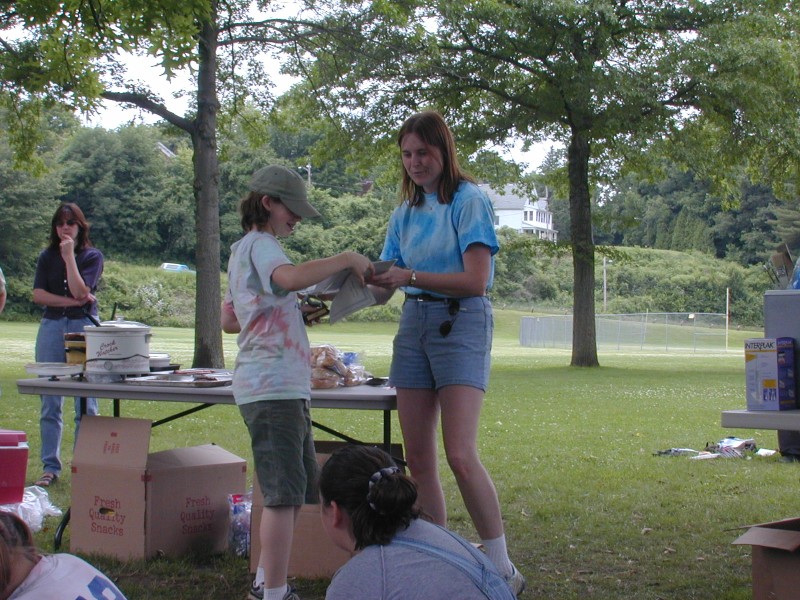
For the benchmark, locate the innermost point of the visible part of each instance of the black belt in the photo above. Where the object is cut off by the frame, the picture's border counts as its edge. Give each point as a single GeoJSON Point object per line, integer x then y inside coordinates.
{"type": "Point", "coordinates": [426, 298]}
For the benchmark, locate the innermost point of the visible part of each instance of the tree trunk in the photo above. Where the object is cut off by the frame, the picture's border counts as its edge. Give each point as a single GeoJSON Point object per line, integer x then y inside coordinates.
{"type": "Point", "coordinates": [207, 331]}
{"type": "Point", "coordinates": [584, 334]}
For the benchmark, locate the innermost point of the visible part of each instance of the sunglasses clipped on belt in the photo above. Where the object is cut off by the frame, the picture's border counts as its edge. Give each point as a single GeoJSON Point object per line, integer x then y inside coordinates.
{"type": "Point", "coordinates": [453, 306]}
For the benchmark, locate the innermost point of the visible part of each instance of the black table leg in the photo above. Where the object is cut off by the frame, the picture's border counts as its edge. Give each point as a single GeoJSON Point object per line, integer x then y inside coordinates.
{"type": "Point", "coordinates": [60, 530]}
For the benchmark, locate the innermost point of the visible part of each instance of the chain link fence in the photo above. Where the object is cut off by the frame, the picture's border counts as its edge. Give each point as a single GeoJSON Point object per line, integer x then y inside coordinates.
{"type": "Point", "coordinates": [663, 332]}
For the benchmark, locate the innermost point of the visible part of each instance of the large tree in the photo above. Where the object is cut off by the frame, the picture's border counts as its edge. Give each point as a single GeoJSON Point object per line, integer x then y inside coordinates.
{"type": "Point", "coordinates": [605, 77]}
{"type": "Point", "coordinates": [71, 52]}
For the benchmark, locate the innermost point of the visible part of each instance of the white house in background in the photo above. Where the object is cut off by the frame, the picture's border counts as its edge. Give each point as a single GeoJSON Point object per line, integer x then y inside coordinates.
{"type": "Point", "coordinates": [521, 213]}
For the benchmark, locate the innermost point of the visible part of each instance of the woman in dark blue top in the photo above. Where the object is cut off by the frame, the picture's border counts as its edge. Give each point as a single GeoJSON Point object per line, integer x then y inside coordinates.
{"type": "Point", "coordinates": [67, 274]}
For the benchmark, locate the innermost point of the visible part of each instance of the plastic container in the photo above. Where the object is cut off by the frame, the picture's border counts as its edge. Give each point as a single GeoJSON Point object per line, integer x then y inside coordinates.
{"type": "Point", "coordinates": [13, 465]}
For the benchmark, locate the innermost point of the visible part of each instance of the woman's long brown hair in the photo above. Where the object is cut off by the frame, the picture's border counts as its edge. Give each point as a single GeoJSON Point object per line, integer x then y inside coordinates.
{"type": "Point", "coordinates": [431, 128]}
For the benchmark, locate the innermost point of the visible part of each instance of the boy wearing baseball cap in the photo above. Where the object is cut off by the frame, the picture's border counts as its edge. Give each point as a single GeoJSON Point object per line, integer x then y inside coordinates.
{"type": "Point", "coordinates": [272, 377]}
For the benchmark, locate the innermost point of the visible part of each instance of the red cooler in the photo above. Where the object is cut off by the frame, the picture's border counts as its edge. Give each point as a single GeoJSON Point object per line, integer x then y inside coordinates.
{"type": "Point", "coordinates": [13, 465]}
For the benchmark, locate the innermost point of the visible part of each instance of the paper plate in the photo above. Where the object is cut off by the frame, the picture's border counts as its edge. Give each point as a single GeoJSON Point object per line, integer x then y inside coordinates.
{"type": "Point", "coordinates": [53, 369]}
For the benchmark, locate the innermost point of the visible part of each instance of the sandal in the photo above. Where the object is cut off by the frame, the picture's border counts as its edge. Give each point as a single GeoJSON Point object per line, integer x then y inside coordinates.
{"type": "Point", "coordinates": [46, 479]}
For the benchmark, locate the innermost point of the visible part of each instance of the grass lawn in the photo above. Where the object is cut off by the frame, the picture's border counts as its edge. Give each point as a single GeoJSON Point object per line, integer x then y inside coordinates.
{"type": "Point", "coordinates": [590, 511]}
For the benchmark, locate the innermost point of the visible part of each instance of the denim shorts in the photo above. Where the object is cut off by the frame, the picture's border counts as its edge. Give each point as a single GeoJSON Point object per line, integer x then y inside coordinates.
{"type": "Point", "coordinates": [423, 358]}
{"type": "Point", "coordinates": [283, 450]}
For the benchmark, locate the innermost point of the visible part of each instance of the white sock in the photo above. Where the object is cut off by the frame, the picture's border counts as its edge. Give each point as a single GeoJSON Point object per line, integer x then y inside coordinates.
{"type": "Point", "coordinates": [259, 579]}
{"type": "Point", "coordinates": [276, 593]}
{"type": "Point", "coordinates": [497, 552]}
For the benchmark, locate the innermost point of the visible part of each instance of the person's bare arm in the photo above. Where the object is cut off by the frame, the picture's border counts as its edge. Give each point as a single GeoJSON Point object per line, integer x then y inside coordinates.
{"type": "Point", "coordinates": [472, 281]}
{"type": "Point", "coordinates": [228, 320]}
{"type": "Point", "coordinates": [298, 277]}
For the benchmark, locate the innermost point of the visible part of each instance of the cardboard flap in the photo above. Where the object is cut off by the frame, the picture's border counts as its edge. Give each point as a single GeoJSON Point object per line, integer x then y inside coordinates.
{"type": "Point", "coordinates": [195, 456]}
{"type": "Point", "coordinates": [770, 536]}
{"type": "Point", "coordinates": [112, 442]}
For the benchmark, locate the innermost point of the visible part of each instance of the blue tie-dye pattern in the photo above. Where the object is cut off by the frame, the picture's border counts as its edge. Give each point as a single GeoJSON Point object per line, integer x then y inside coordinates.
{"type": "Point", "coordinates": [433, 237]}
{"type": "Point", "coordinates": [274, 355]}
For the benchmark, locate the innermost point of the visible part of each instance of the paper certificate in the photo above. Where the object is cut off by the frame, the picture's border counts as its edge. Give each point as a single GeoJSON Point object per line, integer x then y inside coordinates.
{"type": "Point", "coordinates": [349, 295]}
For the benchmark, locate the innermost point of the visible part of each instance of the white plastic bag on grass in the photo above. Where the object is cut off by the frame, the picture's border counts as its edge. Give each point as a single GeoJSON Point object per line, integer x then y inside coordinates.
{"type": "Point", "coordinates": [35, 506]}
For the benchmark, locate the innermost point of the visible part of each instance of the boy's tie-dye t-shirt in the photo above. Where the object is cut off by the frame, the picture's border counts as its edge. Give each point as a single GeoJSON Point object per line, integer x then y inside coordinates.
{"type": "Point", "coordinates": [433, 237]}
{"type": "Point", "coordinates": [274, 355]}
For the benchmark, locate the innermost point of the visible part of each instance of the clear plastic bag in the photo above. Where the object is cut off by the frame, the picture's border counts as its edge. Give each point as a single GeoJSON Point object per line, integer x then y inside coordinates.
{"type": "Point", "coordinates": [240, 506]}
{"type": "Point", "coordinates": [333, 368]}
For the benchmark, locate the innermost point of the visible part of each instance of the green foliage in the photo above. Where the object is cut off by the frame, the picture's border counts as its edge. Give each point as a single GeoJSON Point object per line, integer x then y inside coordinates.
{"type": "Point", "coordinates": [116, 178]}
{"type": "Point", "coordinates": [147, 294]}
{"type": "Point", "coordinates": [61, 53]}
{"type": "Point", "coordinates": [387, 313]}
{"type": "Point", "coordinates": [668, 281]}
{"type": "Point", "coordinates": [141, 208]}
{"type": "Point", "coordinates": [637, 280]}
{"type": "Point", "coordinates": [679, 212]}
{"type": "Point", "coordinates": [348, 222]}
{"type": "Point", "coordinates": [27, 203]}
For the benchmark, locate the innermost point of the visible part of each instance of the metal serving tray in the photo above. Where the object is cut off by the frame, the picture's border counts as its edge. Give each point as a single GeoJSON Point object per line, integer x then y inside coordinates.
{"type": "Point", "coordinates": [183, 380]}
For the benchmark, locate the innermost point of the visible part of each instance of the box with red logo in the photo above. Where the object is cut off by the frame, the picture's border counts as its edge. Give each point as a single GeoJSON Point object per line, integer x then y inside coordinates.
{"type": "Point", "coordinates": [13, 465]}
{"type": "Point", "coordinates": [128, 503]}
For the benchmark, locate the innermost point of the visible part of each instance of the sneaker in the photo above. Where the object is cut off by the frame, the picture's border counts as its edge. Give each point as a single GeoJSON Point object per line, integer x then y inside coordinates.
{"type": "Point", "coordinates": [516, 581]}
{"type": "Point", "coordinates": [256, 592]}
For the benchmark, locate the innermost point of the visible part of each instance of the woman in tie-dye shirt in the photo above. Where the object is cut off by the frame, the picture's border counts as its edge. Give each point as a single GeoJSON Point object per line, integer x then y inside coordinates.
{"type": "Point", "coordinates": [442, 237]}
{"type": "Point", "coordinates": [272, 378]}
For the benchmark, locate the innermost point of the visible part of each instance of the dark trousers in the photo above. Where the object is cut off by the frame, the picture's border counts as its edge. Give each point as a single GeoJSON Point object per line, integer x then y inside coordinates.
{"type": "Point", "coordinates": [789, 442]}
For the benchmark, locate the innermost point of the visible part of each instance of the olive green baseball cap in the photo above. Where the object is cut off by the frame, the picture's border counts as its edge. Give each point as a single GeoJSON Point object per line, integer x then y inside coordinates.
{"type": "Point", "coordinates": [287, 186]}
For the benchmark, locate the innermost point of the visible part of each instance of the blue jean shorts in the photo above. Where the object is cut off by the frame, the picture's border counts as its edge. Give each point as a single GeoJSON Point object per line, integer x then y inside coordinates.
{"type": "Point", "coordinates": [424, 358]}
{"type": "Point", "coordinates": [283, 450]}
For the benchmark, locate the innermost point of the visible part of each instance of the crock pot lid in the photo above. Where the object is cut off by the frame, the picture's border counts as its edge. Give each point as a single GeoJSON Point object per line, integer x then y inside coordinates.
{"type": "Point", "coordinates": [121, 323]}
{"type": "Point", "coordinates": [133, 328]}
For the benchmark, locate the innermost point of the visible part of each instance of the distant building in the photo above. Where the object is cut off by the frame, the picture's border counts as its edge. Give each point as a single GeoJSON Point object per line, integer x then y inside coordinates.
{"type": "Point", "coordinates": [525, 215]}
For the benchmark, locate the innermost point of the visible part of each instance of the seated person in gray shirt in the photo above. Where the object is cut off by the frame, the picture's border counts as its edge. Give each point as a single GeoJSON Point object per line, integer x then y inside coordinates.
{"type": "Point", "coordinates": [369, 506]}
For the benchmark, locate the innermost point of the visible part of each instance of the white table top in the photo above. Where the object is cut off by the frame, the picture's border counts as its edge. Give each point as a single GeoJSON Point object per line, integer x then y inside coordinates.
{"type": "Point", "coordinates": [762, 419]}
{"type": "Point", "coordinates": [357, 397]}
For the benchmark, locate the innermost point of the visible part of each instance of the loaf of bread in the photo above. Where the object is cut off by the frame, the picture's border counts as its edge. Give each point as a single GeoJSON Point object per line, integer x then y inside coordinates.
{"type": "Point", "coordinates": [329, 371]}
{"type": "Point", "coordinates": [322, 378]}
{"type": "Point", "coordinates": [329, 357]}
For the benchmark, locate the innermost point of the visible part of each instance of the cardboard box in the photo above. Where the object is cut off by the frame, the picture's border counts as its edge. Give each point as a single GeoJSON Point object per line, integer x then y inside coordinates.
{"type": "Point", "coordinates": [776, 560]}
{"type": "Point", "coordinates": [769, 373]}
{"type": "Point", "coordinates": [314, 555]}
{"type": "Point", "coordinates": [13, 465]}
{"type": "Point", "coordinates": [127, 503]}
